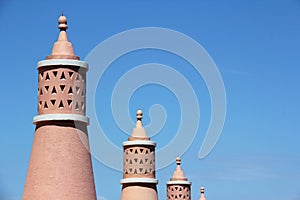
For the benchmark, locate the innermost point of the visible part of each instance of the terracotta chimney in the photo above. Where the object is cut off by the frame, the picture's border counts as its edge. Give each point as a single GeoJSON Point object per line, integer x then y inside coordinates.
{"type": "Point", "coordinates": [139, 165]}
{"type": "Point", "coordinates": [60, 164]}
{"type": "Point", "coordinates": [178, 188]}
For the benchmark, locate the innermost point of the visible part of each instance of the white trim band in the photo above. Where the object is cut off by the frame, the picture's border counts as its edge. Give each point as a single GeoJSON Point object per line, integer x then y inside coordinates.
{"type": "Point", "coordinates": [179, 183]}
{"type": "Point", "coordinates": [68, 62]}
{"type": "Point", "coordinates": [138, 180]}
{"type": "Point", "coordinates": [51, 117]}
{"type": "Point", "coordinates": [139, 142]}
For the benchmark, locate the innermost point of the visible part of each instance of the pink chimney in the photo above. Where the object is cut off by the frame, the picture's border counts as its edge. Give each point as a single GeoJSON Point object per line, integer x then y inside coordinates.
{"type": "Point", "coordinates": [139, 165]}
{"type": "Point", "coordinates": [60, 164]}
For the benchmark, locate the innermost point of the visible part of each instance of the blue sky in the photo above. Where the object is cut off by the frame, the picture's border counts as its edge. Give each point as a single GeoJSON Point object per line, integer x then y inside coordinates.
{"type": "Point", "coordinates": [255, 45]}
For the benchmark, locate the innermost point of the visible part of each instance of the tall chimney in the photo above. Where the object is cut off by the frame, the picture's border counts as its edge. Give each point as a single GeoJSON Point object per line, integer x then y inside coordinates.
{"type": "Point", "coordinates": [60, 163]}
{"type": "Point", "coordinates": [139, 165]}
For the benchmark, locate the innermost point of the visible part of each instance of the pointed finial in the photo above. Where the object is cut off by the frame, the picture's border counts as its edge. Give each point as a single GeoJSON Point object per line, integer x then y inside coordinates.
{"type": "Point", "coordinates": [178, 160]}
{"type": "Point", "coordinates": [202, 190]}
{"type": "Point", "coordinates": [139, 117]}
{"type": "Point", "coordinates": [62, 48]}
{"type": "Point", "coordinates": [62, 22]}
{"type": "Point", "coordinates": [202, 197]}
{"type": "Point", "coordinates": [178, 173]}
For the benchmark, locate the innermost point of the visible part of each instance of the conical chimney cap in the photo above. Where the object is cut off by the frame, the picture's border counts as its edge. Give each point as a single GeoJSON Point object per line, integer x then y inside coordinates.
{"type": "Point", "coordinates": [178, 174]}
{"type": "Point", "coordinates": [62, 48]}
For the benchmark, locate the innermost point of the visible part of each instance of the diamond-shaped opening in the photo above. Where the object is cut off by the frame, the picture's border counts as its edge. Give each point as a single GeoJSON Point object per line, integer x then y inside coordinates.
{"type": "Point", "coordinates": [62, 77]}
{"type": "Point", "coordinates": [61, 105]}
{"type": "Point", "coordinates": [45, 105]}
{"type": "Point", "coordinates": [71, 74]}
{"type": "Point", "coordinates": [53, 90]}
{"type": "Point", "coordinates": [54, 73]}
{"type": "Point", "coordinates": [70, 91]}
{"type": "Point", "coordinates": [47, 87]}
{"type": "Point", "coordinates": [47, 77]}
{"type": "Point", "coordinates": [53, 101]}
{"type": "Point", "coordinates": [62, 87]}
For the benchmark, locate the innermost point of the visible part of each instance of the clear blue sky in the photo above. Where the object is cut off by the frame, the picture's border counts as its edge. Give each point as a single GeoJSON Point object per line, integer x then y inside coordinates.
{"type": "Point", "coordinates": [256, 46]}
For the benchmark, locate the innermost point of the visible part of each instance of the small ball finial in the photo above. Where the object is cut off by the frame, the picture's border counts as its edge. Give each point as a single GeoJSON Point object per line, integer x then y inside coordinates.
{"type": "Point", "coordinates": [139, 115]}
{"type": "Point", "coordinates": [202, 190]}
{"type": "Point", "coordinates": [178, 160]}
{"type": "Point", "coordinates": [62, 22]}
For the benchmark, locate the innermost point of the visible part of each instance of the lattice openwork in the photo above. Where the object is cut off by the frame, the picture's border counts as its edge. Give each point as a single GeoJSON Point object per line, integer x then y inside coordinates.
{"type": "Point", "coordinates": [139, 161]}
{"type": "Point", "coordinates": [179, 192]}
{"type": "Point", "coordinates": [61, 90]}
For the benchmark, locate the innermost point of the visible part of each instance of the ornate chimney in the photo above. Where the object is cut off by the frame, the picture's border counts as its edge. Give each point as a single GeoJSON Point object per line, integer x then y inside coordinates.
{"type": "Point", "coordinates": [139, 165]}
{"type": "Point", "coordinates": [60, 164]}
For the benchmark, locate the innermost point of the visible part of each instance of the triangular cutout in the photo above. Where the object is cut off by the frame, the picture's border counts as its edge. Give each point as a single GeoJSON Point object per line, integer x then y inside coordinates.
{"type": "Point", "coordinates": [47, 77]}
{"type": "Point", "coordinates": [41, 91]}
{"type": "Point", "coordinates": [53, 101]}
{"type": "Point", "coordinates": [53, 90]}
{"type": "Point", "coordinates": [47, 87]}
{"type": "Point", "coordinates": [76, 106]}
{"type": "Point", "coordinates": [77, 89]}
{"type": "Point", "coordinates": [54, 73]}
{"type": "Point", "coordinates": [69, 102]}
{"type": "Point", "coordinates": [62, 87]}
{"type": "Point", "coordinates": [61, 105]}
{"type": "Point", "coordinates": [62, 77]}
{"type": "Point", "coordinates": [70, 91]}
{"type": "Point", "coordinates": [77, 77]}
{"type": "Point", "coordinates": [45, 105]}
{"type": "Point", "coordinates": [71, 74]}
